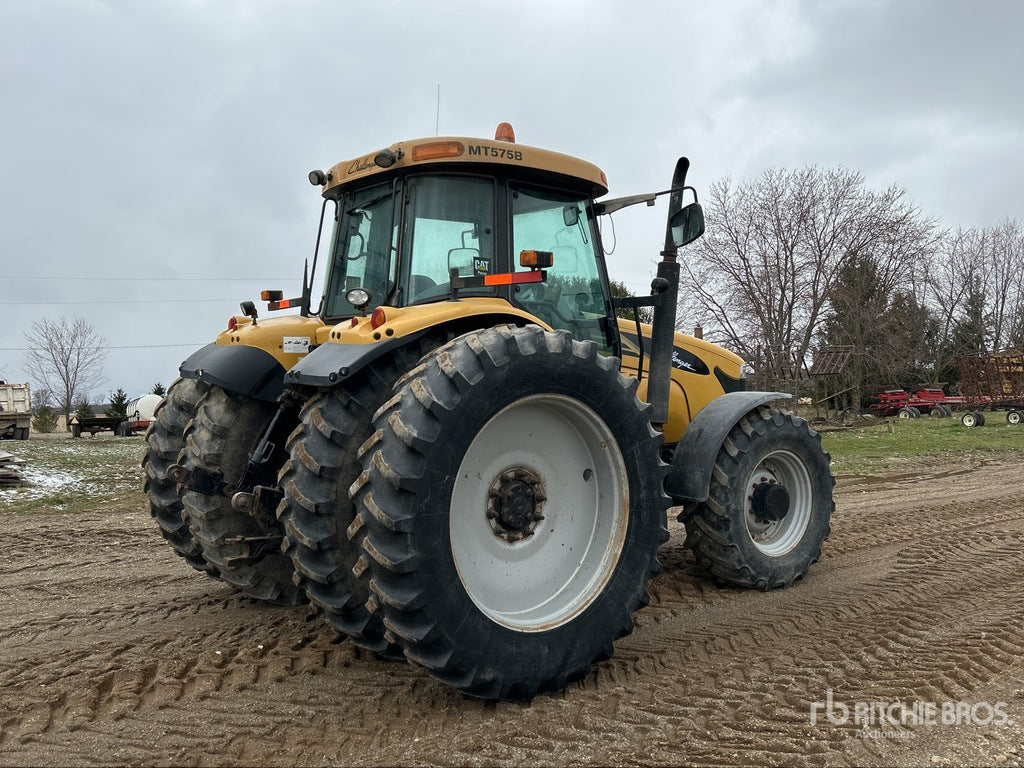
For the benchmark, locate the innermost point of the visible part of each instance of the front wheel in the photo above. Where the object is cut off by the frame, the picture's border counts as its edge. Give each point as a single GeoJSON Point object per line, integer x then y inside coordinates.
{"type": "Point", "coordinates": [1013, 417]}
{"type": "Point", "coordinates": [513, 504]}
{"type": "Point", "coordinates": [769, 506]}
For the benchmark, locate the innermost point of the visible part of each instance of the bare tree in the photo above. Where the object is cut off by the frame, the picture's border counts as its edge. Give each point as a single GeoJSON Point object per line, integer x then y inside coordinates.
{"type": "Point", "coordinates": [762, 278]}
{"type": "Point", "coordinates": [976, 290]}
{"type": "Point", "coordinates": [66, 357]}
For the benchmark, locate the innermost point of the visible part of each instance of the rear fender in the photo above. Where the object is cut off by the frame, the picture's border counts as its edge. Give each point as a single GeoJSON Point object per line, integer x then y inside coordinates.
{"type": "Point", "coordinates": [689, 478]}
{"type": "Point", "coordinates": [347, 351]}
{"type": "Point", "coordinates": [332, 363]}
{"type": "Point", "coordinates": [246, 370]}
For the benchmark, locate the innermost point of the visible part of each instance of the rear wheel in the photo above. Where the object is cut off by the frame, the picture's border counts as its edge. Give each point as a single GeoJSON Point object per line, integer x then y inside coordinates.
{"type": "Point", "coordinates": [218, 439]}
{"type": "Point", "coordinates": [769, 506]}
{"type": "Point", "coordinates": [1013, 417]}
{"type": "Point", "coordinates": [165, 439]}
{"type": "Point", "coordinates": [317, 513]}
{"type": "Point", "coordinates": [514, 507]}
{"type": "Point", "coordinates": [905, 413]}
{"type": "Point", "coordinates": [970, 419]}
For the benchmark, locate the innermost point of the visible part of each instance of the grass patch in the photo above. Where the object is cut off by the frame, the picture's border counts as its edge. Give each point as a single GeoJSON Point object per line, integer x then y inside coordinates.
{"type": "Point", "coordinates": [890, 444]}
{"type": "Point", "coordinates": [70, 476]}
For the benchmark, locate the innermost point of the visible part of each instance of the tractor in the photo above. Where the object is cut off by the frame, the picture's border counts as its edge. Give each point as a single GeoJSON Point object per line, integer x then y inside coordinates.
{"type": "Point", "coordinates": [457, 449]}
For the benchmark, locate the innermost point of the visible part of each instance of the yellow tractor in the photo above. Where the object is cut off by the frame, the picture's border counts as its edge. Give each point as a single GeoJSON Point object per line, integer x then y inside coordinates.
{"type": "Point", "coordinates": [457, 449]}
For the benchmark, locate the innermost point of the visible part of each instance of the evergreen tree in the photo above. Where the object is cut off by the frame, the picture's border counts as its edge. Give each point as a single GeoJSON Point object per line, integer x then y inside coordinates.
{"type": "Point", "coordinates": [620, 291]}
{"type": "Point", "coordinates": [118, 404]}
{"type": "Point", "coordinates": [83, 410]}
{"type": "Point", "coordinates": [45, 420]}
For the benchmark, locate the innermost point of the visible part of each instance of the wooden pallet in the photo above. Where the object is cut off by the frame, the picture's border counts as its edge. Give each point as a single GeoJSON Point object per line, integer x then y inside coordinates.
{"type": "Point", "coordinates": [10, 470]}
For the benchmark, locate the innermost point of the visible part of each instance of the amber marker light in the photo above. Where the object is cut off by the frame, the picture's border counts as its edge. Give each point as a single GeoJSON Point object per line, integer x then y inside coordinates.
{"type": "Point", "coordinates": [271, 295]}
{"type": "Point", "coordinates": [437, 150]}
{"type": "Point", "coordinates": [377, 318]}
{"type": "Point", "coordinates": [536, 259]}
{"type": "Point", "coordinates": [504, 132]}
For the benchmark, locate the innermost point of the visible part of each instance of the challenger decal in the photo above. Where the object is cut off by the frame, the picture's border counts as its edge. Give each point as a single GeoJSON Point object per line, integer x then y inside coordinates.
{"type": "Point", "coordinates": [683, 359]}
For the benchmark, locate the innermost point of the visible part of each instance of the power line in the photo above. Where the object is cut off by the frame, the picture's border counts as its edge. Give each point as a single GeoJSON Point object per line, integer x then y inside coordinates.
{"type": "Point", "coordinates": [158, 279]}
{"type": "Point", "coordinates": [122, 346]}
{"type": "Point", "coordinates": [116, 301]}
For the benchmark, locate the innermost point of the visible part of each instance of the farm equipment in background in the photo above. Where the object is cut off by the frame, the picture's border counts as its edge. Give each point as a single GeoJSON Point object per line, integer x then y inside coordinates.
{"type": "Point", "coordinates": [449, 453]}
{"type": "Point", "coordinates": [910, 405]}
{"type": "Point", "coordinates": [994, 382]}
{"type": "Point", "coordinates": [139, 414]}
{"type": "Point", "coordinates": [15, 411]}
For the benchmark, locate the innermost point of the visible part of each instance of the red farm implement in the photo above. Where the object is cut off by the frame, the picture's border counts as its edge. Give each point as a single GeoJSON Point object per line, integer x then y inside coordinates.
{"type": "Point", "coordinates": [909, 405]}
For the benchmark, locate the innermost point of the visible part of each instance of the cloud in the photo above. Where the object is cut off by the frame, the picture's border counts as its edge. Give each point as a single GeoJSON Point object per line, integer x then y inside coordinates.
{"type": "Point", "coordinates": [169, 141]}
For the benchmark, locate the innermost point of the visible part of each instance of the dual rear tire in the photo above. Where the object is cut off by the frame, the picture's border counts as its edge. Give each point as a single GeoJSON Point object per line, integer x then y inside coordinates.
{"type": "Point", "coordinates": [513, 507]}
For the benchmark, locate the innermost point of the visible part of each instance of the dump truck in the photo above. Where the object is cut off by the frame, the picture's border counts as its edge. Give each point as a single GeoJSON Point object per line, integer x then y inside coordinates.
{"type": "Point", "coordinates": [457, 450]}
{"type": "Point", "coordinates": [15, 411]}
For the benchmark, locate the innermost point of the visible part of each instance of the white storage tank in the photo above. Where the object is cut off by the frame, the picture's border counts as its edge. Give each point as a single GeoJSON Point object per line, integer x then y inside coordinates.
{"type": "Point", "coordinates": [141, 411]}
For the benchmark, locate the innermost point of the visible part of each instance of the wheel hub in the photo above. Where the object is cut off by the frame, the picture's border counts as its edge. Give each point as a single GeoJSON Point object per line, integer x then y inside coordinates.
{"type": "Point", "coordinates": [514, 504]}
{"type": "Point", "coordinates": [769, 501]}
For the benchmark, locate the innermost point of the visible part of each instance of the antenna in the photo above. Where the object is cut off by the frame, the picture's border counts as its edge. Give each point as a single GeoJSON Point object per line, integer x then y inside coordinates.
{"type": "Point", "coordinates": [437, 111]}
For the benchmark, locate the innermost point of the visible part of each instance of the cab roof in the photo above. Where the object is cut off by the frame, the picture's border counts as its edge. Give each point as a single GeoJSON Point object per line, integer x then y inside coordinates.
{"type": "Point", "coordinates": [461, 153]}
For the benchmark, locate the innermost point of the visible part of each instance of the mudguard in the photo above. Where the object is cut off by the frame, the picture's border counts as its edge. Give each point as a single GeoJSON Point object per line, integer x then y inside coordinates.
{"type": "Point", "coordinates": [689, 478]}
{"type": "Point", "coordinates": [249, 371]}
{"type": "Point", "coordinates": [330, 364]}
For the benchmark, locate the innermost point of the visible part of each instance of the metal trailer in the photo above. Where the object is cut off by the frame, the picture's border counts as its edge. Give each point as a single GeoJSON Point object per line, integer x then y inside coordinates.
{"type": "Point", "coordinates": [994, 382]}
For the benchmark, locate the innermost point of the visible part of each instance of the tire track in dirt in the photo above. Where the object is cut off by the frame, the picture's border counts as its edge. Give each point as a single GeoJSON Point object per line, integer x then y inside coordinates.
{"type": "Point", "coordinates": [917, 597]}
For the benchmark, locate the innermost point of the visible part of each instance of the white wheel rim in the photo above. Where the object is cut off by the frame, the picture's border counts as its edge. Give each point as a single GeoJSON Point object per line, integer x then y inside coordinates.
{"type": "Point", "coordinates": [546, 579]}
{"type": "Point", "coordinates": [776, 538]}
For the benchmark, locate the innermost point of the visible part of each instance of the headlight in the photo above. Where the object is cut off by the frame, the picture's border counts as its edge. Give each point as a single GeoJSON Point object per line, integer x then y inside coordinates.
{"type": "Point", "coordinates": [358, 298]}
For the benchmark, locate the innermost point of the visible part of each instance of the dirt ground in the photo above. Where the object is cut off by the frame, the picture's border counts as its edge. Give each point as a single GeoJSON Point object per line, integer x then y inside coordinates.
{"type": "Point", "coordinates": [112, 651]}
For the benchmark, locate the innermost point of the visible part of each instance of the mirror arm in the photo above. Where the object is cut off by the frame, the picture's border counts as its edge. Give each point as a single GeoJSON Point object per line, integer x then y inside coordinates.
{"type": "Point", "coordinates": [618, 203]}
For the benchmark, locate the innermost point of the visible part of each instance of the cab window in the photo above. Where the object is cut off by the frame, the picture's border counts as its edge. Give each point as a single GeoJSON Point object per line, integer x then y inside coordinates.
{"type": "Point", "coordinates": [363, 252]}
{"type": "Point", "coordinates": [448, 223]}
{"type": "Point", "coordinates": [572, 297]}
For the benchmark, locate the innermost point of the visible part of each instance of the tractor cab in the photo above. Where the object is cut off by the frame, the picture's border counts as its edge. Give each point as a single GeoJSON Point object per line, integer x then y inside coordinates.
{"type": "Point", "coordinates": [419, 214]}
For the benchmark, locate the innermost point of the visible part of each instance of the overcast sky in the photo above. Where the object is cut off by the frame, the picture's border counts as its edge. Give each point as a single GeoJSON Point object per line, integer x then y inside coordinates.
{"type": "Point", "coordinates": [153, 153]}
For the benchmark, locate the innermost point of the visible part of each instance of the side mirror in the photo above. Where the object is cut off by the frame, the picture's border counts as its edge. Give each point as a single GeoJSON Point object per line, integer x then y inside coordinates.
{"type": "Point", "coordinates": [570, 215]}
{"type": "Point", "coordinates": [686, 225]}
{"type": "Point", "coordinates": [463, 260]}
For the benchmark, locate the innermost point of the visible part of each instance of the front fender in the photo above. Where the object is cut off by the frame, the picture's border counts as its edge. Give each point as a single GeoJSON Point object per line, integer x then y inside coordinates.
{"type": "Point", "coordinates": [689, 478]}
{"type": "Point", "coordinates": [249, 371]}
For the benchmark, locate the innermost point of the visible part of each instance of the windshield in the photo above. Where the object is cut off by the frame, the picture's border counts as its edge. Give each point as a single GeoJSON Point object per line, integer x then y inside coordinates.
{"type": "Point", "coordinates": [448, 224]}
{"type": "Point", "coordinates": [365, 236]}
{"type": "Point", "coordinates": [572, 297]}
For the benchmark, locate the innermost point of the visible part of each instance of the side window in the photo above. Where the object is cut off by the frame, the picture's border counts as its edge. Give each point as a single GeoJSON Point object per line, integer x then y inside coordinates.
{"type": "Point", "coordinates": [572, 297]}
{"type": "Point", "coordinates": [363, 253]}
{"type": "Point", "coordinates": [449, 223]}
